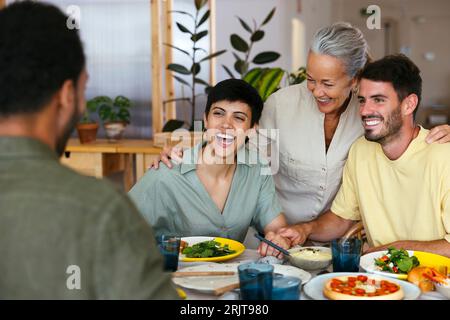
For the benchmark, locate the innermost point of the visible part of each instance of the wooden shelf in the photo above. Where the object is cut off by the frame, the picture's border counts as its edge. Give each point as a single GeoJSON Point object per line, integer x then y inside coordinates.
{"type": "Point", "coordinates": [102, 158]}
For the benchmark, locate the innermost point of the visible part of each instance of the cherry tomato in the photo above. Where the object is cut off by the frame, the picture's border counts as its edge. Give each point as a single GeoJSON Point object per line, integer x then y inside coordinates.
{"type": "Point", "coordinates": [384, 283]}
{"type": "Point", "coordinates": [393, 289]}
{"type": "Point", "coordinates": [347, 290]}
{"type": "Point", "coordinates": [362, 278]}
{"type": "Point", "coordinates": [360, 291]}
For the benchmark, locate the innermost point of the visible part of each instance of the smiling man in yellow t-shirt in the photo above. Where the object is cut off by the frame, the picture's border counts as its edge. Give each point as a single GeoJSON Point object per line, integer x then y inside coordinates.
{"type": "Point", "coordinates": [396, 183]}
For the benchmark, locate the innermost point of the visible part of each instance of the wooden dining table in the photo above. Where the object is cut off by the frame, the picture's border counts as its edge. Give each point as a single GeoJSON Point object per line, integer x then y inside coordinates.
{"type": "Point", "coordinates": [251, 255]}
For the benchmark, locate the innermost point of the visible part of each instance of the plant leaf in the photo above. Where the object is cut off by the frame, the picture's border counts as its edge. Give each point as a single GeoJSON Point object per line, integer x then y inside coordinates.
{"type": "Point", "coordinates": [204, 18]}
{"type": "Point", "coordinates": [201, 81]}
{"type": "Point", "coordinates": [270, 82]}
{"type": "Point", "coordinates": [266, 57]}
{"type": "Point", "coordinates": [241, 66]}
{"type": "Point", "coordinates": [269, 16]}
{"type": "Point", "coordinates": [236, 56]}
{"type": "Point", "coordinates": [176, 48]}
{"type": "Point", "coordinates": [183, 12]}
{"type": "Point", "coordinates": [122, 102]}
{"type": "Point", "coordinates": [199, 4]}
{"type": "Point", "coordinates": [245, 25]}
{"type": "Point", "coordinates": [195, 69]}
{"type": "Point", "coordinates": [102, 100]}
{"type": "Point", "coordinates": [105, 112]}
{"type": "Point", "coordinates": [200, 49]}
{"type": "Point", "coordinates": [182, 81]}
{"type": "Point", "coordinates": [198, 36]}
{"type": "Point", "coordinates": [228, 71]}
{"type": "Point", "coordinates": [178, 68]}
{"type": "Point", "coordinates": [183, 28]}
{"type": "Point", "coordinates": [258, 35]}
{"type": "Point", "coordinates": [238, 43]}
{"type": "Point", "coordinates": [215, 54]}
{"type": "Point", "coordinates": [253, 76]}
{"type": "Point", "coordinates": [124, 115]}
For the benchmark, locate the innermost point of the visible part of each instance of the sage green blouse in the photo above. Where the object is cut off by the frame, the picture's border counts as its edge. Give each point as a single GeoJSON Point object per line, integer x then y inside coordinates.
{"type": "Point", "coordinates": [175, 202]}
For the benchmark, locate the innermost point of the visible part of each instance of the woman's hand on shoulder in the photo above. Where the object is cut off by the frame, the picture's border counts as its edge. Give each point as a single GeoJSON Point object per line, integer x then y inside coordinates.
{"type": "Point", "coordinates": [167, 153]}
{"type": "Point", "coordinates": [439, 134]}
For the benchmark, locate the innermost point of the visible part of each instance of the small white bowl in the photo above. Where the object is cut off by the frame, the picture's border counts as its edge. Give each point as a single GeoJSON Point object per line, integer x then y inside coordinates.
{"type": "Point", "coordinates": [310, 261]}
{"type": "Point", "coordinates": [444, 289]}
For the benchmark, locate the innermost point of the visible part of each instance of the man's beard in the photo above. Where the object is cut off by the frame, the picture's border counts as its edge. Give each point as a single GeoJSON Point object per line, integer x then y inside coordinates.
{"type": "Point", "coordinates": [62, 140]}
{"type": "Point", "coordinates": [391, 128]}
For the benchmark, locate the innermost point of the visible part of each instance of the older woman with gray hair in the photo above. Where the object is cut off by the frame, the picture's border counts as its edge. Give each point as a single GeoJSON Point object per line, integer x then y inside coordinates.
{"type": "Point", "coordinates": [318, 121]}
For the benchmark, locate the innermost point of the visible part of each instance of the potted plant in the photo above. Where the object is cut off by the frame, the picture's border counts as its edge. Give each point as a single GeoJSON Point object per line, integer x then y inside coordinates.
{"type": "Point", "coordinates": [114, 114]}
{"type": "Point", "coordinates": [265, 80]}
{"type": "Point", "coordinates": [87, 127]}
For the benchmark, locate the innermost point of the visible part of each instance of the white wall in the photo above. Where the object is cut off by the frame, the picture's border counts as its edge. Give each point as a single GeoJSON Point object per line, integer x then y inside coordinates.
{"type": "Point", "coordinates": [422, 26]}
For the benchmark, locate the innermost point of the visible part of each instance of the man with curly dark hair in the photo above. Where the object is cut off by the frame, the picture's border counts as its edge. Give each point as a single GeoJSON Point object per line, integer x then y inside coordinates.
{"type": "Point", "coordinates": [62, 235]}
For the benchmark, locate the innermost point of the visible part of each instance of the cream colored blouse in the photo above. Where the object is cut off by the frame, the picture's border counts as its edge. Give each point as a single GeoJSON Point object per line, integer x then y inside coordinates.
{"type": "Point", "coordinates": [307, 177]}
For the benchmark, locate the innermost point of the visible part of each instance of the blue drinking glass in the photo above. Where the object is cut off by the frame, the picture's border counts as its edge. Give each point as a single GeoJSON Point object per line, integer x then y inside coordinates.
{"type": "Point", "coordinates": [346, 254]}
{"type": "Point", "coordinates": [255, 281]}
{"type": "Point", "coordinates": [286, 288]}
{"type": "Point", "coordinates": [169, 246]}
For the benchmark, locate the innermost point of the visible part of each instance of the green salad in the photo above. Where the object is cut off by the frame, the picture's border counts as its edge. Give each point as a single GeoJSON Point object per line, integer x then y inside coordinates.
{"type": "Point", "coordinates": [207, 249]}
{"type": "Point", "coordinates": [397, 261]}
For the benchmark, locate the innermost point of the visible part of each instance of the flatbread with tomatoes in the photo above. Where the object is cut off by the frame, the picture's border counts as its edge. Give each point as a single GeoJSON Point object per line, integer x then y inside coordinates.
{"type": "Point", "coordinates": [362, 287]}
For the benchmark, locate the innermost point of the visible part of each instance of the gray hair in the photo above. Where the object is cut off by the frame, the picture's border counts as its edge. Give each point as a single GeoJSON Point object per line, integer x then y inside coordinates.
{"type": "Point", "coordinates": [344, 42]}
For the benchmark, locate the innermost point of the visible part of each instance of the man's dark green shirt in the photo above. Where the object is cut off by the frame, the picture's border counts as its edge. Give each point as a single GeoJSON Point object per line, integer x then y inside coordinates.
{"type": "Point", "coordinates": [68, 236]}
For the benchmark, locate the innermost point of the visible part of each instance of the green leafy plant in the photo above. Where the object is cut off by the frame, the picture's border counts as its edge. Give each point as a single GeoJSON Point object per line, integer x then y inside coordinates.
{"type": "Point", "coordinates": [297, 77]}
{"type": "Point", "coordinates": [265, 80]}
{"type": "Point", "coordinates": [91, 109]}
{"type": "Point", "coordinates": [194, 68]}
{"type": "Point", "coordinates": [241, 66]}
{"type": "Point", "coordinates": [109, 110]}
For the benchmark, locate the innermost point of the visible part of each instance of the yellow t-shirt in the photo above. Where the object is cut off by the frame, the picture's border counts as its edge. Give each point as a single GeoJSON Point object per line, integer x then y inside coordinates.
{"type": "Point", "coordinates": [404, 199]}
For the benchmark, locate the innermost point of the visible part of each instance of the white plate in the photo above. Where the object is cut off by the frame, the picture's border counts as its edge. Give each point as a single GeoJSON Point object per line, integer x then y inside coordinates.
{"type": "Point", "coordinates": [210, 283]}
{"type": "Point", "coordinates": [314, 289]}
{"type": "Point", "coordinates": [367, 263]}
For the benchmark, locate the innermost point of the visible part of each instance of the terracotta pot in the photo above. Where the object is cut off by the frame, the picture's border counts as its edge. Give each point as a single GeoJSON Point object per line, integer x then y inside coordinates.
{"type": "Point", "coordinates": [87, 132]}
{"type": "Point", "coordinates": [114, 130]}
